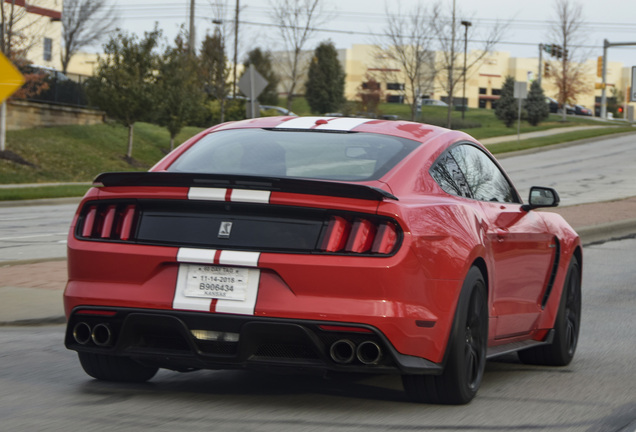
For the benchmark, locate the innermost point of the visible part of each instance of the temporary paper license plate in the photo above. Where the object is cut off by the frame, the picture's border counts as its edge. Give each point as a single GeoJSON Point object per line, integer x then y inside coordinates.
{"type": "Point", "coordinates": [216, 282]}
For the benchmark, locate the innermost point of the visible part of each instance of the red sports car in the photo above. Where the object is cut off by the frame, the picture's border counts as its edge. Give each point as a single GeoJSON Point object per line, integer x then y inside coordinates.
{"type": "Point", "coordinates": [316, 243]}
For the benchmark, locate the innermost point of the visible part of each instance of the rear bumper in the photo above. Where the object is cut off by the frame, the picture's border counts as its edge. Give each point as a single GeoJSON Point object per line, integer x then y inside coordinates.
{"type": "Point", "coordinates": [223, 341]}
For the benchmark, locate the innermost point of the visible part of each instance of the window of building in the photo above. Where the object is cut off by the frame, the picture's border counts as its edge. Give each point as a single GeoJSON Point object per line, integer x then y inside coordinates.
{"type": "Point", "coordinates": [48, 49]}
{"type": "Point", "coordinates": [483, 90]}
{"type": "Point", "coordinates": [394, 86]}
{"type": "Point", "coordinates": [483, 103]}
{"type": "Point", "coordinates": [395, 98]}
{"type": "Point", "coordinates": [371, 85]}
{"type": "Point", "coordinates": [496, 92]}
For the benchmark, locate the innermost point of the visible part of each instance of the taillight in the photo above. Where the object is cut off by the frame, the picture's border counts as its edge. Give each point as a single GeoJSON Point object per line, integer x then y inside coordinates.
{"type": "Point", "coordinates": [385, 239]}
{"type": "Point", "coordinates": [360, 236]}
{"type": "Point", "coordinates": [108, 221]}
{"type": "Point", "coordinates": [337, 234]}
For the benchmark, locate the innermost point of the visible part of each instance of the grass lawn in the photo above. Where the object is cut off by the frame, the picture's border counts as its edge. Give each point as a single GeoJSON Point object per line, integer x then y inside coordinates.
{"type": "Point", "coordinates": [79, 153]}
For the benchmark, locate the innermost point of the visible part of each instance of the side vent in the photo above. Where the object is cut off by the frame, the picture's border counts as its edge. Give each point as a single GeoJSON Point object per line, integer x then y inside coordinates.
{"type": "Point", "coordinates": [108, 222]}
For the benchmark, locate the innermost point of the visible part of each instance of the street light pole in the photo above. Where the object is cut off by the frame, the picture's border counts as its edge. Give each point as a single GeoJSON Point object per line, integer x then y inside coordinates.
{"type": "Point", "coordinates": [236, 29]}
{"type": "Point", "coordinates": [466, 24]}
{"type": "Point", "coordinates": [191, 32]}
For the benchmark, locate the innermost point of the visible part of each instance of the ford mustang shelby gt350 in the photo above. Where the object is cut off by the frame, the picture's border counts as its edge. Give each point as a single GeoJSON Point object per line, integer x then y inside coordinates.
{"type": "Point", "coordinates": [329, 244]}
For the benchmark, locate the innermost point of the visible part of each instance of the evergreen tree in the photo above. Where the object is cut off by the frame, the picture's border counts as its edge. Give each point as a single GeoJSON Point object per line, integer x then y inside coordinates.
{"type": "Point", "coordinates": [324, 89]}
{"type": "Point", "coordinates": [262, 62]}
{"type": "Point", "coordinates": [124, 85]}
{"type": "Point", "coordinates": [179, 93]}
{"type": "Point", "coordinates": [535, 104]}
{"type": "Point", "coordinates": [507, 105]}
{"type": "Point", "coordinates": [214, 69]}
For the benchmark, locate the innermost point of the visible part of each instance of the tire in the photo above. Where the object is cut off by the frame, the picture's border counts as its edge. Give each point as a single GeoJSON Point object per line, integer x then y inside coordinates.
{"type": "Point", "coordinates": [462, 375]}
{"type": "Point", "coordinates": [566, 326]}
{"type": "Point", "coordinates": [111, 368]}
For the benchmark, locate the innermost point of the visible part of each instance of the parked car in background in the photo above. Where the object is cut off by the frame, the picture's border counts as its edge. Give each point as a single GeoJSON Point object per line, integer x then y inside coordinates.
{"type": "Point", "coordinates": [553, 105]}
{"type": "Point", "coordinates": [278, 110]}
{"type": "Point", "coordinates": [322, 244]}
{"type": "Point", "coordinates": [581, 110]}
{"type": "Point", "coordinates": [433, 102]}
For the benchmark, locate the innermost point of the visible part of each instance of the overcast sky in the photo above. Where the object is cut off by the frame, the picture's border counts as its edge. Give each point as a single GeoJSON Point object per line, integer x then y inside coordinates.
{"type": "Point", "coordinates": [529, 22]}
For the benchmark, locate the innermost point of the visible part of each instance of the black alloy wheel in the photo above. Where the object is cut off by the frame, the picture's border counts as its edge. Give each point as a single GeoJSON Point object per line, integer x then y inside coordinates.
{"type": "Point", "coordinates": [566, 326]}
{"type": "Point", "coordinates": [466, 351]}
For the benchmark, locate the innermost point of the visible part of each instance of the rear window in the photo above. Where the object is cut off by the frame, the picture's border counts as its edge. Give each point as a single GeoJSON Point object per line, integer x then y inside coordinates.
{"type": "Point", "coordinates": [351, 156]}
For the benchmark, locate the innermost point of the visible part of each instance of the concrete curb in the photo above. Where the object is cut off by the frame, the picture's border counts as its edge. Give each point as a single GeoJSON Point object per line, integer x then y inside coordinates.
{"type": "Point", "coordinates": [558, 146]}
{"type": "Point", "coordinates": [54, 320]}
{"type": "Point", "coordinates": [607, 232]}
{"type": "Point", "coordinates": [39, 202]}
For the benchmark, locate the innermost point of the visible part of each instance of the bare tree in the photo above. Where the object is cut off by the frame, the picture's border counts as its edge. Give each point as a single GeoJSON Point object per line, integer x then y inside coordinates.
{"type": "Point", "coordinates": [570, 70]}
{"type": "Point", "coordinates": [407, 43]}
{"type": "Point", "coordinates": [447, 68]}
{"type": "Point", "coordinates": [84, 23]}
{"type": "Point", "coordinates": [296, 20]}
{"type": "Point", "coordinates": [19, 31]}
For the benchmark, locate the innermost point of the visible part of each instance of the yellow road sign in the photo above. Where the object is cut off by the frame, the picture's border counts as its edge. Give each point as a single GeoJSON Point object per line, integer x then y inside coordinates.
{"type": "Point", "coordinates": [10, 78]}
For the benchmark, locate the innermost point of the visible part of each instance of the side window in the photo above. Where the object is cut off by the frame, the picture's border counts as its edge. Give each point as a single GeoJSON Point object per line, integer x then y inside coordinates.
{"type": "Point", "coordinates": [485, 179]}
{"type": "Point", "coordinates": [447, 174]}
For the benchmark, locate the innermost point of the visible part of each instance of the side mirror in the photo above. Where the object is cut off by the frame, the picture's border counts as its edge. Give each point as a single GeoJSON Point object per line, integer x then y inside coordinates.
{"type": "Point", "coordinates": [541, 197]}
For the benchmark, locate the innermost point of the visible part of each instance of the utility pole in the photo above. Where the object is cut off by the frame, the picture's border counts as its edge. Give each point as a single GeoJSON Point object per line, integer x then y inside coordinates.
{"type": "Point", "coordinates": [466, 24]}
{"type": "Point", "coordinates": [540, 64]}
{"type": "Point", "coordinates": [606, 45]}
{"type": "Point", "coordinates": [191, 41]}
{"type": "Point", "coordinates": [236, 27]}
{"type": "Point", "coordinates": [451, 66]}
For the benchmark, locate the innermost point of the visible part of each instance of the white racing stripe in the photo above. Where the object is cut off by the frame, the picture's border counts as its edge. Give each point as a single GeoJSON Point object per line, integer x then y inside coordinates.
{"type": "Point", "coordinates": [236, 195]}
{"type": "Point", "coordinates": [343, 124]}
{"type": "Point", "coordinates": [300, 123]}
{"type": "Point", "coordinates": [180, 301]}
{"type": "Point", "coordinates": [226, 258]}
{"type": "Point", "coordinates": [244, 307]}
{"type": "Point", "coordinates": [236, 258]}
{"type": "Point", "coordinates": [198, 256]}
{"type": "Point", "coordinates": [250, 196]}
{"type": "Point", "coordinates": [207, 194]}
{"type": "Point", "coordinates": [333, 123]}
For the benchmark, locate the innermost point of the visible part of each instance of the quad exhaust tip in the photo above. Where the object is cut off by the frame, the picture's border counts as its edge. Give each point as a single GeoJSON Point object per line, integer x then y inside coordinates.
{"type": "Point", "coordinates": [82, 333]}
{"type": "Point", "coordinates": [344, 351]}
{"type": "Point", "coordinates": [369, 353]}
{"type": "Point", "coordinates": [101, 335]}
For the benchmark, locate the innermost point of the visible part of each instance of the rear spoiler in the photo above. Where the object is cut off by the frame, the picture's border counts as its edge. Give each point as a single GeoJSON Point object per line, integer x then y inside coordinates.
{"type": "Point", "coordinates": [274, 184]}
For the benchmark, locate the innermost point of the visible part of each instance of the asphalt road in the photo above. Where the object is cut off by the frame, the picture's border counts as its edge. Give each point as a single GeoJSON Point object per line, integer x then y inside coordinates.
{"type": "Point", "coordinates": [42, 386]}
{"type": "Point", "coordinates": [34, 232]}
{"type": "Point", "coordinates": [601, 170]}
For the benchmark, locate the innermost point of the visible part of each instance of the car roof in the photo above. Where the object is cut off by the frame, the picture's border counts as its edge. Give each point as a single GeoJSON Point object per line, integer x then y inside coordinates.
{"type": "Point", "coordinates": [404, 129]}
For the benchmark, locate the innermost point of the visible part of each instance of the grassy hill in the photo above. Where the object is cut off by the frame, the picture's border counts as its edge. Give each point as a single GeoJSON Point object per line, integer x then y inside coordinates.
{"type": "Point", "coordinates": [79, 153]}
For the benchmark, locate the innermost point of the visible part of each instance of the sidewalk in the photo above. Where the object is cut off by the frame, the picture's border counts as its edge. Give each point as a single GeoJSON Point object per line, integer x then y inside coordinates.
{"type": "Point", "coordinates": [538, 134]}
{"type": "Point", "coordinates": [31, 293]}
